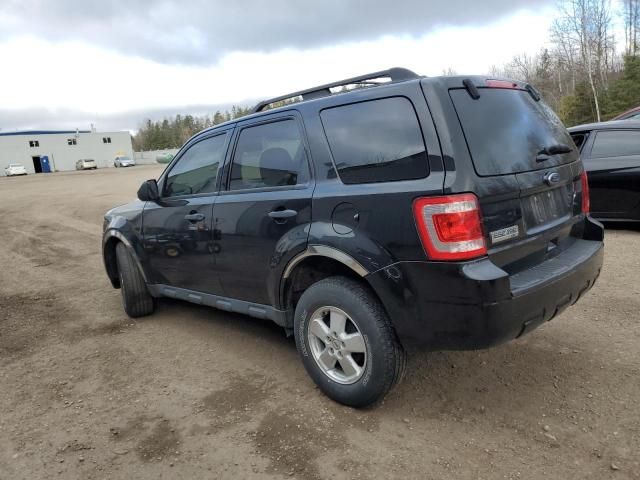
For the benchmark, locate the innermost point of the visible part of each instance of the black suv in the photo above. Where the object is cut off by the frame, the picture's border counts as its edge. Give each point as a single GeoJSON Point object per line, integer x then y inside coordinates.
{"type": "Point", "coordinates": [447, 212]}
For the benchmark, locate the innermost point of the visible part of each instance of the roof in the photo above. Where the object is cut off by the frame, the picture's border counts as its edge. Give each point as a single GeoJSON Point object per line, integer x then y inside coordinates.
{"type": "Point", "coordinates": [42, 132]}
{"type": "Point", "coordinates": [631, 110]}
{"type": "Point", "coordinates": [612, 125]}
{"type": "Point", "coordinates": [395, 74]}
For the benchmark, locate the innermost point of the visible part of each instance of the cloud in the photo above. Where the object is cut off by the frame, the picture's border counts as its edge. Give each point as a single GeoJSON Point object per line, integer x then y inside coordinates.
{"type": "Point", "coordinates": [203, 31]}
{"type": "Point", "coordinates": [70, 119]}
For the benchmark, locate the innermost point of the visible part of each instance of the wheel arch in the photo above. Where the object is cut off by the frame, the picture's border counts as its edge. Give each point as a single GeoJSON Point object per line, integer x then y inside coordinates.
{"type": "Point", "coordinates": [314, 264]}
{"type": "Point", "coordinates": [110, 242]}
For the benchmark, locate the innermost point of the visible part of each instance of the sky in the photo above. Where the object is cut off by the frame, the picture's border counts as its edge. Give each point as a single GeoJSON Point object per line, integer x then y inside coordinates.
{"type": "Point", "coordinates": [70, 63]}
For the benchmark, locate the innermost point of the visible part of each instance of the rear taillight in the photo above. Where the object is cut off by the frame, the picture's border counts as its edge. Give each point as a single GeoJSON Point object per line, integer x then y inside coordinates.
{"type": "Point", "coordinates": [585, 192]}
{"type": "Point", "coordinates": [450, 227]}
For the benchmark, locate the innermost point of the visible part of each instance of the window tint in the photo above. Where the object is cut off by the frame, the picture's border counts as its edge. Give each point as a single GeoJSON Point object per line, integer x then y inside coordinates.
{"type": "Point", "coordinates": [616, 143]}
{"type": "Point", "coordinates": [269, 155]}
{"type": "Point", "coordinates": [506, 129]}
{"type": "Point", "coordinates": [197, 169]}
{"type": "Point", "coordinates": [376, 141]}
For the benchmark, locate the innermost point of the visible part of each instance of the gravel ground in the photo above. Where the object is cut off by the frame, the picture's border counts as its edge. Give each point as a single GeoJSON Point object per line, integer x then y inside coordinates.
{"type": "Point", "coordinates": [192, 392]}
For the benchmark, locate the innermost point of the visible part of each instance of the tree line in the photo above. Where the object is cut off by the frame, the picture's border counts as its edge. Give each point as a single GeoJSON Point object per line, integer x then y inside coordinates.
{"type": "Point", "coordinates": [173, 132]}
{"type": "Point", "coordinates": [585, 74]}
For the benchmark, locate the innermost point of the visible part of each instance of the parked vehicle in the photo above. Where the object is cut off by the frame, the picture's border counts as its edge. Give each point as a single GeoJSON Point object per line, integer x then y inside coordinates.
{"type": "Point", "coordinates": [611, 155]}
{"type": "Point", "coordinates": [14, 169]}
{"type": "Point", "coordinates": [124, 161]}
{"type": "Point", "coordinates": [370, 219]}
{"type": "Point", "coordinates": [633, 114]}
{"type": "Point", "coordinates": [86, 164]}
{"type": "Point", "coordinates": [164, 158]}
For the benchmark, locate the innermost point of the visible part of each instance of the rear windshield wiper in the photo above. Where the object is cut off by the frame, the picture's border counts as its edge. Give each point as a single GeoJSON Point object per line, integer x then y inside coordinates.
{"type": "Point", "coordinates": [558, 149]}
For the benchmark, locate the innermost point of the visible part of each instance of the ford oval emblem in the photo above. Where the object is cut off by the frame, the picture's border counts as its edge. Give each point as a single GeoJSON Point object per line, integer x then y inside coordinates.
{"type": "Point", "coordinates": [551, 177]}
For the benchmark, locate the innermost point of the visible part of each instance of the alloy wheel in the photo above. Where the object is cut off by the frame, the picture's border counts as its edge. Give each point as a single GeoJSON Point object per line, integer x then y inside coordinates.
{"type": "Point", "coordinates": [337, 345]}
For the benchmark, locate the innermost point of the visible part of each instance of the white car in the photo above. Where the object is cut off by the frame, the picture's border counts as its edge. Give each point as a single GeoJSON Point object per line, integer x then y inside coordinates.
{"type": "Point", "coordinates": [86, 164]}
{"type": "Point", "coordinates": [124, 162]}
{"type": "Point", "coordinates": [15, 169]}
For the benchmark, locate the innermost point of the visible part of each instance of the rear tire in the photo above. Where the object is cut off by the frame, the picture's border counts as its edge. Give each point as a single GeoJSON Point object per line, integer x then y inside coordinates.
{"type": "Point", "coordinates": [373, 363]}
{"type": "Point", "coordinates": [136, 299]}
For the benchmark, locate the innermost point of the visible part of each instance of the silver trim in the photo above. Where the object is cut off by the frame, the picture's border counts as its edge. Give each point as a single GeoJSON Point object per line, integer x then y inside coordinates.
{"type": "Point", "coordinates": [323, 251]}
{"type": "Point", "coordinates": [332, 347]}
{"type": "Point", "coordinates": [115, 233]}
{"type": "Point", "coordinates": [551, 177]}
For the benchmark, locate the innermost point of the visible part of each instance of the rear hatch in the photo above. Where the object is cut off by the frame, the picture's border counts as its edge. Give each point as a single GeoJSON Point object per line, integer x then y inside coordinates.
{"type": "Point", "coordinates": [526, 167]}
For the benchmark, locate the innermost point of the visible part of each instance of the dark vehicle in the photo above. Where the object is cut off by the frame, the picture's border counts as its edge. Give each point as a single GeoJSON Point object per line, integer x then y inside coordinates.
{"type": "Point", "coordinates": [450, 213]}
{"type": "Point", "coordinates": [610, 152]}
{"type": "Point", "coordinates": [633, 114]}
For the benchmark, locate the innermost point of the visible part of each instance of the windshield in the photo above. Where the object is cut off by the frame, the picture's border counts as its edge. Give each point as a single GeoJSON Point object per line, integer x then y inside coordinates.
{"type": "Point", "coordinates": [124, 158]}
{"type": "Point", "coordinates": [507, 131]}
{"type": "Point", "coordinates": [13, 165]}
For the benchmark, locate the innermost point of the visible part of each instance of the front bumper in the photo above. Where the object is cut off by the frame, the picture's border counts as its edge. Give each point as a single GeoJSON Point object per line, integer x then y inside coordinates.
{"type": "Point", "coordinates": [472, 305]}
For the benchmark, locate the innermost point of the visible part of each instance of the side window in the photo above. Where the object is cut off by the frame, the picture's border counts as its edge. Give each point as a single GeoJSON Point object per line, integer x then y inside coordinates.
{"type": "Point", "coordinates": [579, 139]}
{"type": "Point", "coordinates": [197, 169]}
{"type": "Point", "coordinates": [616, 143]}
{"type": "Point", "coordinates": [376, 141]}
{"type": "Point", "coordinates": [269, 155]}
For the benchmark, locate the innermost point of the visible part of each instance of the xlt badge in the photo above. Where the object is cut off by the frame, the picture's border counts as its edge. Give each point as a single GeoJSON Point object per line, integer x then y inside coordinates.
{"type": "Point", "coordinates": [503, 234]}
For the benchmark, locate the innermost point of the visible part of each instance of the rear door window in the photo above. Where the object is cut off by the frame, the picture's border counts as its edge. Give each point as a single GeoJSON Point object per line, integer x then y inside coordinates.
{"type": "Point", "coordinates": [616, 143]}
{"type": "Point", "coordinates": [506, 130]}
{"type": "Point", "coordinates": [269, 155]}
{"type": "Point", "coordinates": [376, 141]}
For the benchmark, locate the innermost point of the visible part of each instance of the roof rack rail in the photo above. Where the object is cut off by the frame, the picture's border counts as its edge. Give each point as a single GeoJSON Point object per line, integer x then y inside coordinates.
{"type": "Point", "coordinates": [395, 74]}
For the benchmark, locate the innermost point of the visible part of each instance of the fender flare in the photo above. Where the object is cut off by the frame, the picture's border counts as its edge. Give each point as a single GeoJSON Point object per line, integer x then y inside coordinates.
{"type": "Point", "coordinates": [318, 251]}
{"type": "Point", "coordinates": [108, 235]}
{"type": "Point", "coordinates": [324, 251]}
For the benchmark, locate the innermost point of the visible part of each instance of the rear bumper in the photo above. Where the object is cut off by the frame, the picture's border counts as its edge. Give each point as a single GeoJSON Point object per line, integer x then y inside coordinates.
{"type": "Point", "coordinates": [444, 306]}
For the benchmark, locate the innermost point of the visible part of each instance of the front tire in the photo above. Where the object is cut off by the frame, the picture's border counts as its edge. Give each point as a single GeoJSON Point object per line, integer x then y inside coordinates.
{"type": "Point", "coordinates": [347, 343]}
{"type": "Point", "coordinates": [136, 299]}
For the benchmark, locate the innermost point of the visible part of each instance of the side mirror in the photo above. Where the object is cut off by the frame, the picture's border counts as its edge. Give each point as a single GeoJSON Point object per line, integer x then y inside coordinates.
{"type": "Point", "coordinates": [148, 191]}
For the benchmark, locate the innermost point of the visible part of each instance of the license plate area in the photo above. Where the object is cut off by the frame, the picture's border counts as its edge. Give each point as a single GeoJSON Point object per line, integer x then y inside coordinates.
{"type": "Point", "coordinates": [547, 207]}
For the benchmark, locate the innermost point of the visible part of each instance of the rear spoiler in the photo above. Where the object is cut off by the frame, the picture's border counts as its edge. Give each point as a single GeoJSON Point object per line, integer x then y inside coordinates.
{"type": "Point", "coordinates": [474, 93]}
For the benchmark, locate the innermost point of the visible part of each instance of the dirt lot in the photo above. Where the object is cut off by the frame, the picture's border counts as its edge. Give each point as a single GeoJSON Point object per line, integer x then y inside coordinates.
{"type": "Point", "coordinates": [197, 393]}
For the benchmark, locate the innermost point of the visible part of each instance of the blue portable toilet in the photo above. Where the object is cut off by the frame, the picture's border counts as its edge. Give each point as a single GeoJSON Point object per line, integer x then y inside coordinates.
{"type": "Point", "coordinates": [44, 162]}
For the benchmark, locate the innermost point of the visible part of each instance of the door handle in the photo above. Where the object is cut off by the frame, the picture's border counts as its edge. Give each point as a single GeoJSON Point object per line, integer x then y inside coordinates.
{"type": "Point", "coordinates": [282, 214]}
{"type": "Point", "coordinates": [194, 217]}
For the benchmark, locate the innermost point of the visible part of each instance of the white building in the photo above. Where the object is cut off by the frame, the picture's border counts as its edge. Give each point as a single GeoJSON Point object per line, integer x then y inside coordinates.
{"type": "Point", "coordinates": [59, 150]}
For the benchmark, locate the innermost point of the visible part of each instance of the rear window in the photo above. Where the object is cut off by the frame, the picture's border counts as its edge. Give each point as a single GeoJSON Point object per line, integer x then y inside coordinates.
{"type": "Point", "coordinates": [376, 141]}
{"type": "Point", "coordinates": [616, 143]}
{"type": "Point", "coordinates": [506, 129]}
